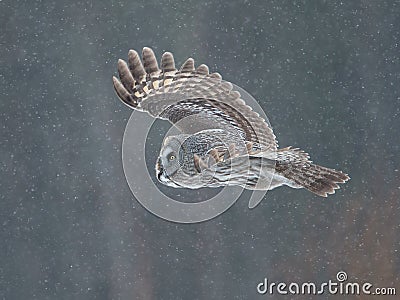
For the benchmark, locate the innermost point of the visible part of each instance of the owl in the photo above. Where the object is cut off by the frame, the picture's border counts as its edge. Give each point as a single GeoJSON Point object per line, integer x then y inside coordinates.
{"type": "Point", "coordinates": [221, 140]}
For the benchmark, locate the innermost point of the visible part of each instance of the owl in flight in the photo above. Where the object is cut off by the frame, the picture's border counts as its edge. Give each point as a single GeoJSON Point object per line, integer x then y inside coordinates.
{"type": "Point", "coordinates": [222, 141]}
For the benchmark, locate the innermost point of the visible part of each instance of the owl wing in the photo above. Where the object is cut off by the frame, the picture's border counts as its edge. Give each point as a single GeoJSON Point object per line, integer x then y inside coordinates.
{"type": "Point", "coordinates": [191, 99]}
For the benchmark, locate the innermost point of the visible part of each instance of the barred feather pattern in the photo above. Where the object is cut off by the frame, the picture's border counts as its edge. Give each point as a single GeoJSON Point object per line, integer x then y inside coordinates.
{"type": "Point", "coordinates": [256, 171]}
{"type": "Point", "coordinates": [172, 94]}
{"type": "Point", "coordinates": [234, 146]}
{"type": "Point", "coordinates": [295, 165]}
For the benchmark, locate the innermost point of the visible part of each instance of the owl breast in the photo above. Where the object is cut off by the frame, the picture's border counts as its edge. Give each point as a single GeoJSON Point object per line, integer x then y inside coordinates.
{"type": "Point", "coordinates": [203, 142]}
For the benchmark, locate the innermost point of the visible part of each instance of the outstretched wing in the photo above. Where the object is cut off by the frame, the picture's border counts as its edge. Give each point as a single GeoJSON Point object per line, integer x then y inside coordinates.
{"type": "Point", "coordinates": [191, 99]}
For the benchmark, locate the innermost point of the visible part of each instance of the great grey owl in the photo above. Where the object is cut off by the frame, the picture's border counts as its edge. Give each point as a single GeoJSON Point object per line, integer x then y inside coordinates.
{"type": "Point", "coordinates": [222, 140]}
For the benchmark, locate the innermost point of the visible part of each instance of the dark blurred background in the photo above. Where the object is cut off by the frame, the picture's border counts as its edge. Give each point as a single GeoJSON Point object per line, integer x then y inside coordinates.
{"type": "Point", "coordinates": [327, 75]}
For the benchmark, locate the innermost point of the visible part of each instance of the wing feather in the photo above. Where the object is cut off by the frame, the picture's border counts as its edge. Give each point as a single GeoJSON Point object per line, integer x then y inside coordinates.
{"type": "Point", "coordinates": [192, 99]}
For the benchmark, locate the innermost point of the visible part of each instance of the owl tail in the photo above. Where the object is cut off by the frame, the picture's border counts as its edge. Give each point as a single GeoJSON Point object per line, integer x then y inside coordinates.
{"type": "Point", "coordinates": [317, 179]}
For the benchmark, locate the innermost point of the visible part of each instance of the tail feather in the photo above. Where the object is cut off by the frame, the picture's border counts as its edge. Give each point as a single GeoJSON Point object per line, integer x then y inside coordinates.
{"type": "Point", "coordinates": [317, 179]}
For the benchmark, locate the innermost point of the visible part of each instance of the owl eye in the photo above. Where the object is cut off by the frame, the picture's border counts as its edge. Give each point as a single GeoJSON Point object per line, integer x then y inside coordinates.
{"type": "Point", "coordinates": [172, 157]}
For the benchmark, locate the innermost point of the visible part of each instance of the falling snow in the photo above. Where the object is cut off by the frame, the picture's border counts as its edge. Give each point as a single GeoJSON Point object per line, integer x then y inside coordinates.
{"type": "Point", "coordinates": [327, 74]}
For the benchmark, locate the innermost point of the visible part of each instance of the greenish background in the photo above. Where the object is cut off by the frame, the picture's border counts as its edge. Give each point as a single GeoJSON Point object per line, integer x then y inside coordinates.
{"type": "Point", "coordinates": [326, 73]}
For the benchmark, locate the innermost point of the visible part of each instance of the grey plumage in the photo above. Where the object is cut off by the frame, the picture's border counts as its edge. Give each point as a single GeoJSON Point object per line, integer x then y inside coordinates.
{"type": "Point", "coordinates": [222, 141]}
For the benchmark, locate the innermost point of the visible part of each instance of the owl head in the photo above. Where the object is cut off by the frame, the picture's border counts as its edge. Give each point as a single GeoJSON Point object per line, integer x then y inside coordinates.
{"type": "Point", "coordinates": [170, 166]}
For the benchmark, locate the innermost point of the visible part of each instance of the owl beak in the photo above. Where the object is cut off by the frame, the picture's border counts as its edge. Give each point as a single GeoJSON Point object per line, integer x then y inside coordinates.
{"type": "Point", "coordinates": [159, 175]}
{"type": "Point", "coordinates": [162, 176]}
{"type": "Point", "coordinates": [159, 170]}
